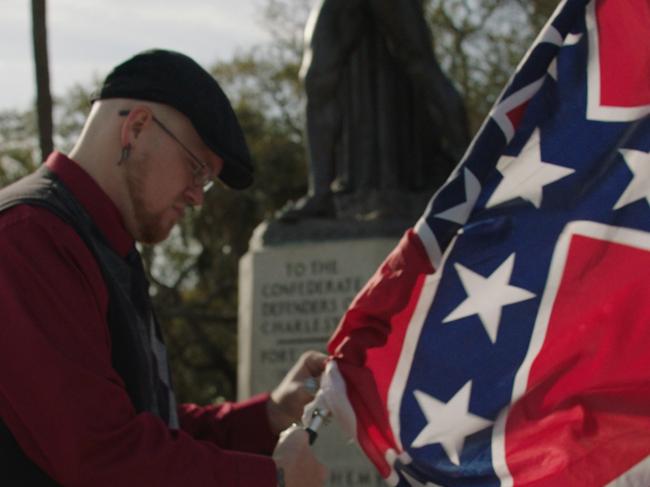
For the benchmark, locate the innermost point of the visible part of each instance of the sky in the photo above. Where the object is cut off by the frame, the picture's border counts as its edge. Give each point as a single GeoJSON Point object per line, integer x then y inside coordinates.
{"type": "Point", "coordinates": [86, 38]}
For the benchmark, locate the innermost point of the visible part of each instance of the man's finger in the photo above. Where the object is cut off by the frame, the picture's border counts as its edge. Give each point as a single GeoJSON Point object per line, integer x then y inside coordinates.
{"type": "Point", "coordinates": [315, 362]}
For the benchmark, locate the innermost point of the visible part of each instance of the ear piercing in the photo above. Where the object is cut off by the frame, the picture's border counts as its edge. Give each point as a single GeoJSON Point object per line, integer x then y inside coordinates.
{"type": "Point", "coordinates": [126, 152]}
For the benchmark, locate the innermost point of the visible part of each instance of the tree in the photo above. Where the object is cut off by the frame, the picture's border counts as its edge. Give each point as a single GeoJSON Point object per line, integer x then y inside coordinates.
{"type": "Point", "coordinates": [41, 62]}
{"type": "Point", "coordinates": [18, 145]}
{"type": "Point", "coordinates": [480, 42]}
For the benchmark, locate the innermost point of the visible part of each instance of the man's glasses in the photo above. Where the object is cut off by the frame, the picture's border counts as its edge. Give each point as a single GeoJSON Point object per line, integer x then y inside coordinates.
{"type": "Point", "coordinates": [201, 172]}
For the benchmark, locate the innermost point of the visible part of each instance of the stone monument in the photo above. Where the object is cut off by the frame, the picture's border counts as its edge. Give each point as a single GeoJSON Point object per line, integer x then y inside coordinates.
{"type": "Point", "coordinates": [384, 128]}
{"type": "Point", "coordinates": [292, 296]}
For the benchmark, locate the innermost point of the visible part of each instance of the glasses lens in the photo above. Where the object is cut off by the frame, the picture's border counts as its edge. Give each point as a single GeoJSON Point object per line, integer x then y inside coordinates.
{"type": "Point", "coordinates": [202, 177]}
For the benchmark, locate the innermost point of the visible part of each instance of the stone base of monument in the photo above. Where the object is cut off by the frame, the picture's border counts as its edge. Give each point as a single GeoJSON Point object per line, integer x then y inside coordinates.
{"type": "Point", "coordinates": [291, 298]}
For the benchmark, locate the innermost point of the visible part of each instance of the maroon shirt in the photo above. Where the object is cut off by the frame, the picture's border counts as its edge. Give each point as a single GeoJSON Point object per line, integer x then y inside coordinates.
{"type": "Point", "coordinates": [59, 394]}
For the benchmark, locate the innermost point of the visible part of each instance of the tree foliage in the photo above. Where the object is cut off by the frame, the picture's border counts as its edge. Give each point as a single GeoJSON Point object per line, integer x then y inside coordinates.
{"type": "Point", "coordinates": [194, 273]}
{"type": "Point", "coordinates": [480, 42]}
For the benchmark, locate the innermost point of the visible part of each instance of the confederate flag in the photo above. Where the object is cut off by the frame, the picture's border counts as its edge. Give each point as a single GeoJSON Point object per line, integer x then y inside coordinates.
{"type": "Point", "coordinates": [506, 340]}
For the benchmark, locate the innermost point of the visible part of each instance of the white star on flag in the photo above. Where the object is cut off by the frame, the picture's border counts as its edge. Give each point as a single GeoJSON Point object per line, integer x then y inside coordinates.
{"type": "Point", "coordinates": [460, 213]}
{"type": "Point", "coordinates": [639, 187]}
{"type": "Point", "coordinates": [486, 296]}
{"type": "Point", "coordinates": [525, 175]}
{"type": "Point", "coordinates": [448, 424]}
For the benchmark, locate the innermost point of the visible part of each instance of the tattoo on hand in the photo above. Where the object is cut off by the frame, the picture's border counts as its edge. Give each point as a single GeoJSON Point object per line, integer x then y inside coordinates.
{"type": "Point", "coordinates": [281, 478]}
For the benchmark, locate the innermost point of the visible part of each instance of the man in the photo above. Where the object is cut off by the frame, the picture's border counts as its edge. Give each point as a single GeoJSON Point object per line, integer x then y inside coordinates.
{"type": "Point", "coordinates": [85, 394]}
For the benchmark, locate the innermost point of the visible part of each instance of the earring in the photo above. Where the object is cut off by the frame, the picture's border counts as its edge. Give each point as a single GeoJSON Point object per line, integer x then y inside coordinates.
{"type": "Point", "coordinates": [126, 152]}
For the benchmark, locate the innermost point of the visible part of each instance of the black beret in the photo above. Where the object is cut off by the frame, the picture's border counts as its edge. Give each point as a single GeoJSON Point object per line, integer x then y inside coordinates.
{"type": "Point", "coordinates": [176, 80]}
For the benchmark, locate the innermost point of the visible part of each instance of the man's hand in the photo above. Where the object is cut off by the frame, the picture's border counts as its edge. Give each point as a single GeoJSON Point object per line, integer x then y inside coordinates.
{"type": "Point", "coordinates": [297, 466]}
{"type": "Point", "coordinates": [290, 397]}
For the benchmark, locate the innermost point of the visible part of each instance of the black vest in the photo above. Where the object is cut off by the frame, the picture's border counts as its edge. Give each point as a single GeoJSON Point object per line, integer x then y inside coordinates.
{"type": "Point", "coordinates": [138, 354]}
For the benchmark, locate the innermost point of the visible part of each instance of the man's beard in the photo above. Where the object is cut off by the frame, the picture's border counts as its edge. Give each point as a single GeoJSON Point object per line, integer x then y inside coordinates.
{"type": "Point", "coordinates": [149, 228]}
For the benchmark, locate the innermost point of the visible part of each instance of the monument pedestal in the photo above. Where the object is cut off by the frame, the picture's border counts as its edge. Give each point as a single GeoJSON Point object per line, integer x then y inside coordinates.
{"type": "Point", "coordinates": [291, 298]}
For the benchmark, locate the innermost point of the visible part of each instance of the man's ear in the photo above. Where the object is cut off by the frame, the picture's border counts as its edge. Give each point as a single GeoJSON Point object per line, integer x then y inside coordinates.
{"type": "Point", "coordinates": [136, 120]}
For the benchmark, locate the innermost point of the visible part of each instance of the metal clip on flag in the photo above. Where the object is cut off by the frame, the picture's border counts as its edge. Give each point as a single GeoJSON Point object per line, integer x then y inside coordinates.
{"type": "Point", "coordinates": [319, 417]}
{"type": "Point", "coordinates": [316, 413]}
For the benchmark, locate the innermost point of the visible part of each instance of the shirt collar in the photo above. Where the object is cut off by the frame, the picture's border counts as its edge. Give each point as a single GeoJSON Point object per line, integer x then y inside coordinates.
{"type": "Point", "coordinates": [99, 206]}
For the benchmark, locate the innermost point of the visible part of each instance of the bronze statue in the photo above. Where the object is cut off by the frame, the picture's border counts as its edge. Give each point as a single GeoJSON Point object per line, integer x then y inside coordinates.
{"type": "Point", "coordinates": [381, 115]}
